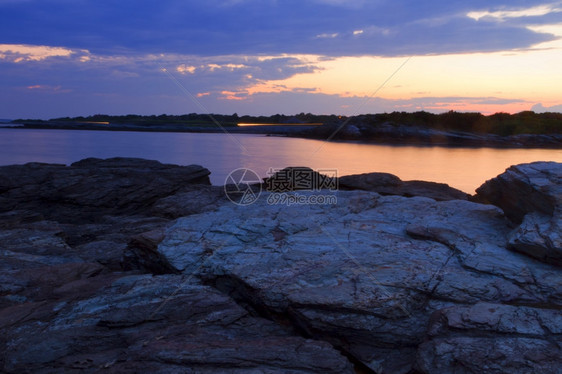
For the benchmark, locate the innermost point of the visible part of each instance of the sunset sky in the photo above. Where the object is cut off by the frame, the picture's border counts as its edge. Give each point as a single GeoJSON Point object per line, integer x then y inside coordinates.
{"type": "Point", "coordinates": [262, 57]}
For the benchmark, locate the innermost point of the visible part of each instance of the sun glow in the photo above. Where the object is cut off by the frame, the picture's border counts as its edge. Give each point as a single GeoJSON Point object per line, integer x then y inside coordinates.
{"type": "Point", "coordinates": [498, 81]}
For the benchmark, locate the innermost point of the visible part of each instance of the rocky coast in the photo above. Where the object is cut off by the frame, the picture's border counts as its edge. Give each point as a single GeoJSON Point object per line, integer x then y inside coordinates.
{"type": "Point", "coordinates": [129, 265]}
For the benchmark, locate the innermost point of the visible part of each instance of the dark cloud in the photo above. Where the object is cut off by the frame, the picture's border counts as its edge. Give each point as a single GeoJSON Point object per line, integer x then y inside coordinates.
{"type": "Point", "coordinates": [264, 26]}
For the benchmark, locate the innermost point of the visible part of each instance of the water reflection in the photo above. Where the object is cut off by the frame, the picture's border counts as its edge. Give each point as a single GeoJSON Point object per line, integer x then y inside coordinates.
{"type": "Point", "coordinates": [463, 168]}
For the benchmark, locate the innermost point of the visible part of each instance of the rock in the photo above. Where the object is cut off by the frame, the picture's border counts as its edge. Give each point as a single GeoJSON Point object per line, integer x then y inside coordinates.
{"type": "Point", "coordinates": [389, 184]}
{"type": "Point", "coordinates": [89, 211]}
{"type": "Point", "coordinates": [530, 195]}
{"type": "Point", "coordinates": [78, 192]}
{"type": "Point", "coordinates": [396, 284]}
{"type": "Point", "coordinates": [525, 188]}
{"type": "Point", "coordinates": [15, 218]}
{"type": "Point", "coordinates": [44, 243]}
{"type": "Point", "coordinates": [494, 338]}
{"type": "Point", "coordinates": [34, 245]}
{"type": "Point", "coordinates": [142, 254]}
{"type": "Point", "coordinates": [104, 252]}
{"type": "Point", "coordinates": [433, 190]}
{"type": "Point", "coordinates": [161, 324]}
{"type": "Point", "coordinates": [49, 283]}
{"type": "Point", "coordinates": [197, 200]}
{"type": "Point", "coordinates": [368, 273]}
{"type": "Point", "coordinates": [383, 183]}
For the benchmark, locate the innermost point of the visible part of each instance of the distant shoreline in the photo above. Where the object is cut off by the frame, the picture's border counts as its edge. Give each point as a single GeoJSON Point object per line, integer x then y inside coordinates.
{"type": "Point", "coordinates": [389, 135]}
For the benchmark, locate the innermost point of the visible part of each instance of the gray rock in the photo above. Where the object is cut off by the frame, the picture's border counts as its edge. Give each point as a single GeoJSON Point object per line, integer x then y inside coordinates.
{"type": "Point", "coordinates": [525, 188]}
{"type": "Point", "coordinates": [366, 274]}
{"type": "Point", "coordinates": [89, 211]}
{"type": "Point", "coordinates": [105, 252]}
{"type": "Point", "coordinates": [530, 195]}
{"type": "Point", "coordinates": [493, 338]}
{"type": "Point", "coordinates": [162, 324]}
{"type": "Point", "coordinates": [398, 284]}
{"type": "Point", "coordinates": [49, 283]}
{"type": "Point", "coordinates": [34, 245]}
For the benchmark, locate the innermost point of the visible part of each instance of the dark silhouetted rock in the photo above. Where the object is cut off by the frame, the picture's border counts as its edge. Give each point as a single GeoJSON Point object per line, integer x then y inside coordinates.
{"type": "Point", "coordinates": [89, 211]}
{"type": "Point", "coordinates": [79, 191]}
{"type": "Point", "coordinates": [389, 184]}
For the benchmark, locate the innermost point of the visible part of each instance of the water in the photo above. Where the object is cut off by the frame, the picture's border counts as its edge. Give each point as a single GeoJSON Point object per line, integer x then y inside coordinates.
{"type": "Point", "coordinates": [462, 168]}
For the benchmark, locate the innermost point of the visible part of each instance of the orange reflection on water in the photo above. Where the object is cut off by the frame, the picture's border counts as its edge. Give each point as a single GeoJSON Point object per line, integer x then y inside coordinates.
{"type": "Point", "coordinates": [462, 168]}
{"type": "Point", "coordinates": [279, 124]}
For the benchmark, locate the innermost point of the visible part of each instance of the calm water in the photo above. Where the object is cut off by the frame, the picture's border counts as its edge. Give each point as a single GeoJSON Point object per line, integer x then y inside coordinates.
{"type": "Point", "coordinates": [463, 168]}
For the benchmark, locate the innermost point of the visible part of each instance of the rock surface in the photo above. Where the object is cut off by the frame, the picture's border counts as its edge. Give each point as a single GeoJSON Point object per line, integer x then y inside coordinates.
{"type": "Point", "coordinates": [392, 284]}
{"type": "Point", "coordinates": [370, 273]}
{"type": "Point", "coordinates": [89, 211]}
{"type": "Point", "coordinates": [530, 195]}
{"type": "Point", "coordinates": [389, 184]}
{"type": "Point", "coordinates": [140, 323]}
{"type": "Point", "coordinates": [93, 187]}
{"type": "Point", "coordinates": [72, 298]}
{"type": "Point", "coordinates": [508, 338]}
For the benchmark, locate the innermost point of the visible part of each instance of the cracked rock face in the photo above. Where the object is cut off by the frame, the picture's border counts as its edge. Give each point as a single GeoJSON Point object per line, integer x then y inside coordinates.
{"type": "Point", "coordinates": [163, 324]}
{"type": "Point", "coordinates": [372, 274]}
{"type": "Point", "coordinates": [508, 338]}
{"type": "Point", "coordinates": [398, 285]}
{"type": "Point", "coordinates": [68, 305]}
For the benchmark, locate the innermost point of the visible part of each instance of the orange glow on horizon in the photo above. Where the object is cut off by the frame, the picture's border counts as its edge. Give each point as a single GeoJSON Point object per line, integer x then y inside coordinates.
{"type": "Point", "coordinates": [491, 82]}
{"type": "Point", "coordinates": [278, 124]}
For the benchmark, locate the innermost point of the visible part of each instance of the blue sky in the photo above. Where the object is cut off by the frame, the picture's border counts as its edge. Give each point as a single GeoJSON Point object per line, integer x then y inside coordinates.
{"type": "Point", "coordinates": [81, 57]}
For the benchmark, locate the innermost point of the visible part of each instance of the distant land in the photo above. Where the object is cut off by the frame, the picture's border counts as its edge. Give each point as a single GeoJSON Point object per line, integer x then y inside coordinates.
{"type": "Point", "coordinates": [524, 129]}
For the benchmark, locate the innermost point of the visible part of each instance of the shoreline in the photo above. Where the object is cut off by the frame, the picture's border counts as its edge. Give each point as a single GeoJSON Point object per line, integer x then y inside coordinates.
{"type": "Point", "coordinates": [398, 136]}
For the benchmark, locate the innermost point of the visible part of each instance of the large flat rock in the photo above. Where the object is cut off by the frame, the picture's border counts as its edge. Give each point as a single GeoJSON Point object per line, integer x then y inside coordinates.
{"type": "Point", "coordinates": [368, 273]}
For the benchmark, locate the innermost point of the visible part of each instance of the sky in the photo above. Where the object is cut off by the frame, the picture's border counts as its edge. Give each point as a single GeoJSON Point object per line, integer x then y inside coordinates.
{"type": "Point", "coordinates": [263, 57]}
